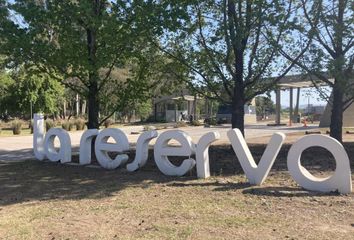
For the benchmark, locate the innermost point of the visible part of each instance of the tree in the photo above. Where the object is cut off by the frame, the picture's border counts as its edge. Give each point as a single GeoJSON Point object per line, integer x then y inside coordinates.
{"type": "Point", "coordinates": [225, 45]}
{"type": "Point", "coordinates": [22, 91]}
{"type": "Point", "coordinates": [148, 76]}
{"type": "Point", "coordinates": [264, 104]}
{"type": "Point", "coordinates": [79, 43]}
{"type": "Point", "coordinates": [5, 83]}
{"type": "Point", "coordinates": [331, 56]}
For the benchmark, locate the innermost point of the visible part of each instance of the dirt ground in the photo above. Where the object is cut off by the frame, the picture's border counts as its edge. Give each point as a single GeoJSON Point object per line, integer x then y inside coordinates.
{"type": "Point", "coordinates": [42, 200]}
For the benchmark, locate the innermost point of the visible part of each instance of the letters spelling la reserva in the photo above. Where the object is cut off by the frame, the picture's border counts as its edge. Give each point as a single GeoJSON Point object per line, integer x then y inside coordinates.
{"type": "Point", "coordinates": [43, 146]}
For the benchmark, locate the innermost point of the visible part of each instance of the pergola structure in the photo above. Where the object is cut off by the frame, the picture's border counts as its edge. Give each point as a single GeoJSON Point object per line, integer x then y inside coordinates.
{"type": "Point", "coordinates": [290, 83]}
{"type": "Point", "coordinates": [169, 108]}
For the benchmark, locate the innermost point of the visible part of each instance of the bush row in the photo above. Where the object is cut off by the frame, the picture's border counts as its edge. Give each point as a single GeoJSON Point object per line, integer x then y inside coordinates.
{"type": "Point", "coordinates": [17, 125]}
{"type": "Point", "coordinates": [78, 124]}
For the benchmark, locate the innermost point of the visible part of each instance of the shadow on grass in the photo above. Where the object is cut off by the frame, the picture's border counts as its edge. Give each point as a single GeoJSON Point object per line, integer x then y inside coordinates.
{"type": "Point", "coordinates": [33, 180]}
{"type": "Point", "coordinates": [37, 181]}
{"type": "Point", "coordinates": [23, 154]}
{"type": "Point", "coordinates": [249, 189]}
{"type": "Point", "coordinates": [16, 155]}
{"type": "Point", "coordinates": [285, 192]}
{"type": "Point", "coordinates": [220, 186]}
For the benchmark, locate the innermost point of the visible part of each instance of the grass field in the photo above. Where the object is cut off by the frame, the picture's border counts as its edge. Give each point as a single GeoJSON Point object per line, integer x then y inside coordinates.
{"type": "Point", "coordinates": [42, 200]}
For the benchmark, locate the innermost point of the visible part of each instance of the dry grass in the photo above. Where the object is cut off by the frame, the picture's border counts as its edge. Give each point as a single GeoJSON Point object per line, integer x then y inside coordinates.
{"type": "Point", "coordinates": [41, 200]}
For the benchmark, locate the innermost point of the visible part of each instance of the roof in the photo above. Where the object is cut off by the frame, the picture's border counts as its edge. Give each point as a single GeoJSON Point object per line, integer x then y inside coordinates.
{"type": "Point", "coordinates": [173, 97]}
{"type": "Point", "coordinates": [302, 81]}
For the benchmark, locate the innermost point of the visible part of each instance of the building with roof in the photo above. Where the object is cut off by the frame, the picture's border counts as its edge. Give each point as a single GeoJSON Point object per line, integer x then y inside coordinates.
{"type": "Point", "coordinates": [308, 81]}
{"type": "Point", "coordinates": [175, 107]}
{"type": "Point", "coordinates": [182, 106]}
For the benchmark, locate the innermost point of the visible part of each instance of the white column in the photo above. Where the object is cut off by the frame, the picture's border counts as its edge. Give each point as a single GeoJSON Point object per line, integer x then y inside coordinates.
{"type": "Point", "coordinates": [77, 105]}
{"type": "Point", "coordinates": [278, 106]}
{"type": "Point", "coordinates": [291, 116]}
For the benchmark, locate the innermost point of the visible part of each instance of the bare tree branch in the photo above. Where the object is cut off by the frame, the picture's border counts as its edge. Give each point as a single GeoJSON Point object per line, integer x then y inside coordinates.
{"type": "Point", "coordinates": [211, 57]}
{"type": "Point", "coordinates": [227, 40]}
{"type": "Point", "coordinates": [313, 26]}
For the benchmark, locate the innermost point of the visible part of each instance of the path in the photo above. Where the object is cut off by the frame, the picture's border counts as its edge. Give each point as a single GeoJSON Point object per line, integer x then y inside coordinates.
{"type": "Point", "coordinates": [20, 147]}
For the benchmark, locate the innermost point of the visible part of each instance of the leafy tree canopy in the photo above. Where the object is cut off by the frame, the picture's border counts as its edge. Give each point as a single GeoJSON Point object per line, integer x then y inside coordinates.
{"type": "Point", "coordinates": [228, 47]}
{"type": "Point", "coordinates": [21, 89]}
{"type": "Point", "coordinates": [81, 43]}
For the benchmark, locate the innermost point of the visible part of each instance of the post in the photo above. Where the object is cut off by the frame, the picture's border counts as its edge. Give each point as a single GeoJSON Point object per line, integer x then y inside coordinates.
{"type": "Point", "coordinates": [31, 111]}
{"type": "Point", "coordinates": [308, 106]}
{"type": "Point", "coordinates": [195, 108]}
{"type": "Point", "coordinates": [206, 108]}
{"type": "Point", "coordinates": [176, 112]}
{"type": "Point", "coordinates": [296, 113]}
{"type": "Point", "coordinates": [77, 105]}
{"type": "Point", "coordinates": [291, 107]}
{"type": "Point", "coordinates": [278, 106]}
{"type": "Point", "coordinates": [64, 109]}
{"type": "Point", "coordinates": [83, 107]}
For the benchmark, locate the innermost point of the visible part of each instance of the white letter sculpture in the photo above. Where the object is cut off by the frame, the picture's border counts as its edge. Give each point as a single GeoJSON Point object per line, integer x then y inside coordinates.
{"type": "Point", "coordinates": [340, 180]}
{"type": "Point", "coordinates": [142, 150]}
{"type": "Point", "coordinates": [102, 147]}
{"type": "Point", "coordinates": [64, 154]}
{"type": "Point", "coordinates": [85, 146]}
{"type": "Point", "coordinates": [38, 136]}
{"type": "Point", "coordinates": [255, 174]}
{"type": "Point", "coordinates": [162, 151]}
{"type": "Point", "coordinates": [202, 153]}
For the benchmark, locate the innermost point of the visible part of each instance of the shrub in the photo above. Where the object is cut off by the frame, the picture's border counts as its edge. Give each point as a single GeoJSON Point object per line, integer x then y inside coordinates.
{"type": "Point", "coordinates": [80, 124]}
{"type": "Point", "coordinates": [49, 123]}
{"type": "Point", "coordinates": [213, 121]}
{"type": "Point", "coordinates": [108, 123]}
{"type": "Point", "coordinates": [16, 127]}
{"type": "Point", "coordinates": [180, 124]}
{"type": "Point", "coordinates": [196, 123]}
{"type": "Point", "coordinates": [150, 119]}
{"type": "Point", "coordinates": [210, 121]}
{"type": "Point", "coordinates": [71, 126]}
{"type": "Point", "coordinates": [66, 125]}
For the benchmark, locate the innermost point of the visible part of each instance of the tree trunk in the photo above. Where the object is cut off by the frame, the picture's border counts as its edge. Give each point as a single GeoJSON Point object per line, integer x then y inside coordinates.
{"type": "Point", "coordinates": [93, 107]}
{"type": "Point", "coordinates": [337, 113]}
{"type": "Point", "coordinates": [195, 117]}
{"type": "Point", "coordinates": [238, 98]}
{"type": "Point", "coordinates": [296, 112]}
{"type": "Point", "coordinates": [340, 84]}
{"type": "Point", "coordinates": [238, 114]}
{"type": "Point", "coordinates": [238, 108]}
{"type": "Point", "coordinates": [93, 101]}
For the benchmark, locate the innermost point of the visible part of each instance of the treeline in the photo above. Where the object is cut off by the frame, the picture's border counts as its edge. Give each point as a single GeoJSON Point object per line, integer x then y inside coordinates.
{"type": "Point", "coordinates": [226, 50]}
